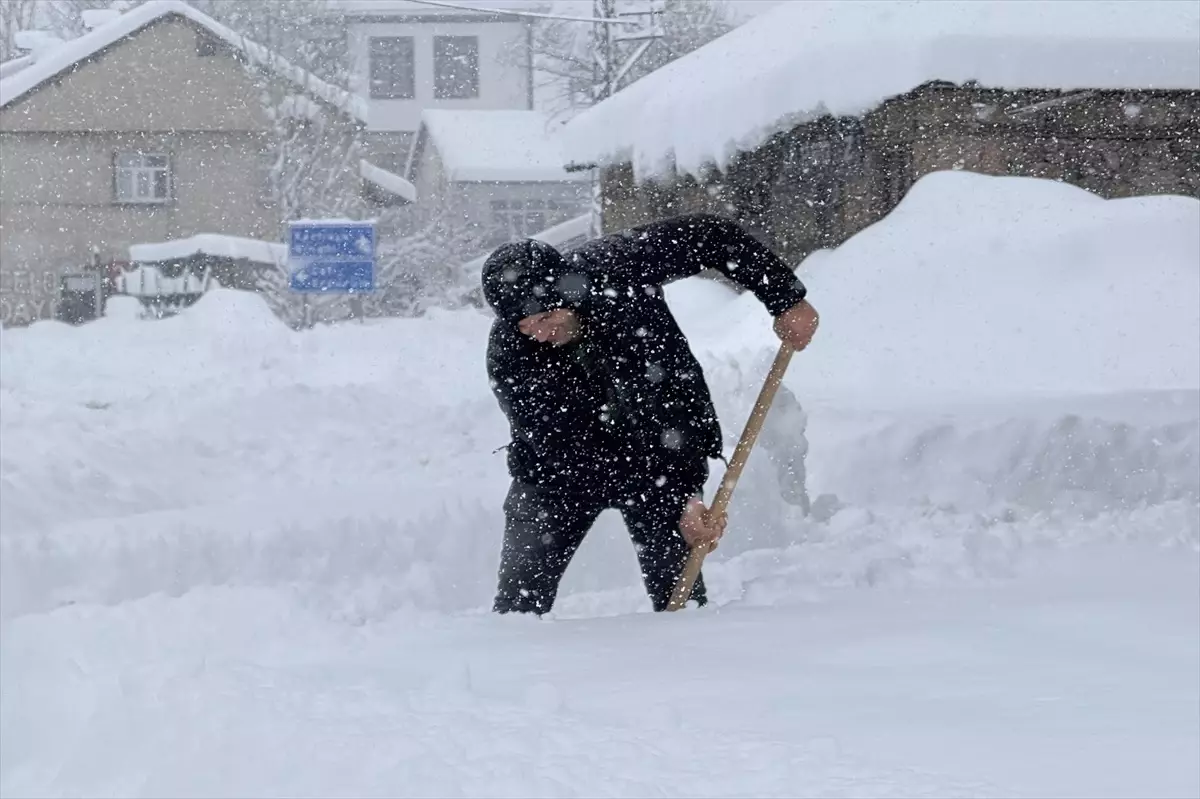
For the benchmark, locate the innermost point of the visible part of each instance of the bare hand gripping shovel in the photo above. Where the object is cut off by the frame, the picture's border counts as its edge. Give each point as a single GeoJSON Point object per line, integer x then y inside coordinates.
{"type": "Point", "coordinates": [683, 588]}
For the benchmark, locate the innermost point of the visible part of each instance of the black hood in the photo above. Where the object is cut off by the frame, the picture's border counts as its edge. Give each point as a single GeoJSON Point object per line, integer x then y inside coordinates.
{"type": "Point", "coordinates": [523, 278]}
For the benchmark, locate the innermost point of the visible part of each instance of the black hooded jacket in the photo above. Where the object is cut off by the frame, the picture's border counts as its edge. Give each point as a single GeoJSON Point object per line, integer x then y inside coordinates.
{"type": "Point", "coordinates": [626, 406]}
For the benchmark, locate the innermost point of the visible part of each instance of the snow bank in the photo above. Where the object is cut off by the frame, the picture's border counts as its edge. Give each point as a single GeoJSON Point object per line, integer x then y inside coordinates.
{"type": "Point", "coordinates": [799, 61]}
{"type": "Point", "coordinates": [981, 288]}
{"type": "Point", "coordinates": [990, 379]}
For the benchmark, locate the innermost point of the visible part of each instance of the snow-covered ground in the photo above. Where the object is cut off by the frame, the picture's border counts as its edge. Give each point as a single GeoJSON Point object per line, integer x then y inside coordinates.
{"type": "Point", "coordinates": [239, 560]}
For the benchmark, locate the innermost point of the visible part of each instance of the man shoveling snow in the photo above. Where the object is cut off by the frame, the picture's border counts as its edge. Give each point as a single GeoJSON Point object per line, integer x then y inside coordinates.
{"type": "Point", "coordinates": [607, 404]}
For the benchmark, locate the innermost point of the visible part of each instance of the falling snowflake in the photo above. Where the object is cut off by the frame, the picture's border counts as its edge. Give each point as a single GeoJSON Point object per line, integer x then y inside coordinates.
{"type": "Point", "coordinates": [573, 286]}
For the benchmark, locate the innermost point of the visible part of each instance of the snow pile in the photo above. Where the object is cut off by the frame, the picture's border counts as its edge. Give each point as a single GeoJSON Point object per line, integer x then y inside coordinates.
{"type": "Point", "coordinates": [227, 336]}
{"type": "Point", "coordinates": [220, 447]}
{"type": "Point", "coordinates": [123, 308]}
{"type": "Point", "coordinates": [979, 288]}
{"type": "Point", "coordinates": [992, 342]}
{"type": "Point", "coordinates": [799, 61]}
{"type": "Point", "coordinates": [239, 560]}
{"type": "Point", "coordinates": [489, 145]}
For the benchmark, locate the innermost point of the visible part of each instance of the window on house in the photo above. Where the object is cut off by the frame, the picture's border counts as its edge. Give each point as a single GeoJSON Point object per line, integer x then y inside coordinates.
{"type": "Point", "coordinates": [520, 219]}
{"type": "Point", "coordinates": [392, 68]}
{"type": "Point", "coordinates": [455, 67]}
{"type": "Point", "coordinates": [143, 178]}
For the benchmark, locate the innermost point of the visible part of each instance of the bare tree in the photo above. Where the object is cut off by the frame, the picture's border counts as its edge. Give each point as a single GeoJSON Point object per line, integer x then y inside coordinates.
{"type": "Point", "coordinates": [61, 18]}
{"type": "Point", "coordinates": [15, 16]}
{"type": "Point", "coordinates": [315, 136]}
{"type": "Point", "coordinates": [308, 33]}
{"type": "Point", "coordinates": [423, 270]}
{"type": "Point", "coordinates": [65, 17]}
{"type": "Point", "coordinates": [577, 64]}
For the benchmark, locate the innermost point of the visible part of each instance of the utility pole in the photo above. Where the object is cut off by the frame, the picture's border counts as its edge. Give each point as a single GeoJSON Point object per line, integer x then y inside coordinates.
{"type": "Point", "coordinates": [608, 68]}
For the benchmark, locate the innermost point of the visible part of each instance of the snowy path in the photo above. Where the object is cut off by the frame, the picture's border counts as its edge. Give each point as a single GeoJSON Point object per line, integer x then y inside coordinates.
{"type": "Point", "coordinates": [1073, 680]}
{"type": "Point", "coordinates": [302, 619]}
{"type": "Point", "coordinates": [239, 561]}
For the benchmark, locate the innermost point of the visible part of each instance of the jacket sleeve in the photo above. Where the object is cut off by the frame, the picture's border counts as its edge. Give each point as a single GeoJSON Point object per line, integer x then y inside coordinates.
{"type": "Point", "coordinates": [672, 249]}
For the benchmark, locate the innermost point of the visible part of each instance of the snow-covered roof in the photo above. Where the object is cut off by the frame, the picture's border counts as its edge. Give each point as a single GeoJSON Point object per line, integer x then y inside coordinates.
{"type": "Point", "coordinates": [800, 60]}
{"type": "Point", "coordinates": [15, 65]}
{"type": "Point", "coordinates": [499, 146]}
{"type": "Point", "coordinates": [69, 54]}
{"type": "Point", "coordinates": [388, 181]}
{"type": "Point", "coordinates": [215, 244]}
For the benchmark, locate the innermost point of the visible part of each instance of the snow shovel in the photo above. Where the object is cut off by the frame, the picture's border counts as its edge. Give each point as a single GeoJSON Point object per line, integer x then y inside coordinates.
{"type": "Point", "coordinates": [683, 587]}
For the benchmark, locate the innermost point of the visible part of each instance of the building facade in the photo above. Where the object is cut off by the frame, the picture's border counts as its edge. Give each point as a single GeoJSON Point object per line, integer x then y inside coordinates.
{"type": "Point", "coordinates": [98, 153]}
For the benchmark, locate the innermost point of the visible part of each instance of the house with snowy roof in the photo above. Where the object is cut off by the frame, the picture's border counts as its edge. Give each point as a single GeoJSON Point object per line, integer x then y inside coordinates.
{"type": "Point", "coordinates": [159, 124]}
{"type": "Point", "coordinates": [812, 120]}
{"type": "Point", "coordinates": [498, 171]}
{"type": "Point", "coordinates": [406, 57]}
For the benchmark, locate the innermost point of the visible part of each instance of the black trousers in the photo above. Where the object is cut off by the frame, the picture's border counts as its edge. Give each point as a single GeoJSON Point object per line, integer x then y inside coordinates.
{"type": "Point", "coordinates": [544, 528]}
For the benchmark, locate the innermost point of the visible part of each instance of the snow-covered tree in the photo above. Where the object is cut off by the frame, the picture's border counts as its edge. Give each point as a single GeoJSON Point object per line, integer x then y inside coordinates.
{"type": "Point", "coordinates": [314, 150]}
{"type": "Point", "coordinates": [15, 16]}
{"type": "Point", "coordinates": [423, 269]}
{"type": "Point", "coordinates": [60, 18]}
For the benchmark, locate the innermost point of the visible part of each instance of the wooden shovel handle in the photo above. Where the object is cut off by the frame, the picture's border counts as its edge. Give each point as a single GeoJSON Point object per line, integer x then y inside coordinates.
{"type": "Point", "coordinates": [691, 570]}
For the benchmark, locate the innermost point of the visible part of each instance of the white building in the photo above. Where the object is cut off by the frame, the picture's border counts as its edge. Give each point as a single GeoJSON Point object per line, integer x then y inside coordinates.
{"type": "Point", "coordinates": [408, 57]}
{"type": "Point", "coordinates": [499, 170]}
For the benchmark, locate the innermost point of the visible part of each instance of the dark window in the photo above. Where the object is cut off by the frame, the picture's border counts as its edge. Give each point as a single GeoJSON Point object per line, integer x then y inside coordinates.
{"type": "Point", "coordinates": [392, 68]}
{"type": "Point", "coordinates": [455, 67]}
{"type": "Point", "coordinates": [143, 178]}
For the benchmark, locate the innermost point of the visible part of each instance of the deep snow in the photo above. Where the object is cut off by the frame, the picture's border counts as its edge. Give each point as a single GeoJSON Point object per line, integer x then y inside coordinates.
{"type": "Point", "coordinates": [240, 560]}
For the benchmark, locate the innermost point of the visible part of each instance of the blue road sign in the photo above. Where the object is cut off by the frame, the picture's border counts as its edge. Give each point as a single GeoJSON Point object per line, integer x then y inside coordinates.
{"type": "Point", "coordinates": [332, 257]}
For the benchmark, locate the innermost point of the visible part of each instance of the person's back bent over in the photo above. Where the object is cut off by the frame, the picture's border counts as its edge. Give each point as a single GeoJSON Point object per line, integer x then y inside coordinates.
{"type": "Point", "coordinates": [607, 405]}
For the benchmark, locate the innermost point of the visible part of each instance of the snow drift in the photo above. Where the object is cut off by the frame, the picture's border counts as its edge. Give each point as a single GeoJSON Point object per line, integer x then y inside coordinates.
{"type": "Point", "coordinates": [229, 551]}
{"type": "Point", "coordinates": [999, 359]}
